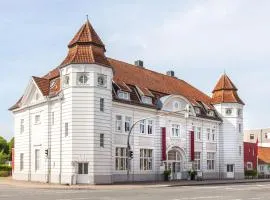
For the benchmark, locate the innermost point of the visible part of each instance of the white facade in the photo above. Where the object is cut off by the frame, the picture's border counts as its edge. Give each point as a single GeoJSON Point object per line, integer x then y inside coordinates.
{"type": "Point", "coordinates": [82, 139]}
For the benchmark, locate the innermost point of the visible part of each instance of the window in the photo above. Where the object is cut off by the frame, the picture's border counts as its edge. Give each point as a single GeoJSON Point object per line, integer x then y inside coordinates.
{"type": "Point", "coordinates": [118, 123]}
{"type": "Point", "coordinates": [22, 125]}
{"type": "Point", "coordinates": [208, 134]}
{"type": "Point", "coordinates": [229, 168]}
{"type": "Point", "coordinates": [210, 161]}
{"type": "Point", "coordinates": [142, 126]}
{"type": "Point", "coordinates": [123, 95]}
{"type": "Point", "coordinates": [146, 100]}
{"type": "Point", "coordinates": [249, 166]}
{"type": "Point", "coordinates": [66, 80]}
{"type": "Point", "coordinates": [82, 78]}
{"type": "Point", "coordinates": [37, 119]}
{"type": "Point", "coordinates": [66, 129]}
{"type": "Point", "coordinates": [127, 124]}
{"type": "Point", "coordinates": [37, 159]}
{"type": "Point", "coordinates": [261, 168]}
{"type": "Point", "coordinates": [228, 111]}
{"type": "Point", "coordinates": [197, 161]}
{"type": "Point", "coordinates": [101, 80]}
{"type": "Point", "coordinates": [52, 120]}
{"type": "Point", "coordinates": [251, 136]}
{"type": "Point", "coordinates": [198, 133]}
{"type": "Point", "coordinates": [150, 127]}
{"type": "Point", "coordinates": [210, 113]}
{"type": "Point", "coordinates": [146, 159]}
{"type": "Point", "coordinates": [175, 130]}
{"type": "Point", "coordinates": [240, 150]}
{"type": "Point", "coordinates": [239, 112]}
{"type": "Point", "coordinates": [101, 104]}
{"type": "Point", "coordinates": [240, 128]}
{"type": "Point", "coordinates": [213, 135]}
{"type": "Point", "coordinates": [197, 110]}
{"type": "Point", "coordinates": [101, 140]}
{"type": "Point", "coordinates": [82, 168]}
{"type": "Point", "coordinates": [176, 105]}
{"type": "Point", "coordinates": [121, 158]}
{"type": "Point", "coordinates": [21, 161]}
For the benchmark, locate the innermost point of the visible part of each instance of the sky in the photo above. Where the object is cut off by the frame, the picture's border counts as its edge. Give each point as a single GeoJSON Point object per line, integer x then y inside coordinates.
{"type": "Point", "coordinates": [199, 40]}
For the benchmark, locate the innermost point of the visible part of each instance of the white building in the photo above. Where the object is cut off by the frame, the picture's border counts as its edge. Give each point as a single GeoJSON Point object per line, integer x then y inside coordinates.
{"type": "Point", "coordinates": [71, 125]}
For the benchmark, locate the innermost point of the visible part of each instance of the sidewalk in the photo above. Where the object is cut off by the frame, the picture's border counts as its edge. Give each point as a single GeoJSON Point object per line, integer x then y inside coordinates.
{"type": "Point", "coordinates": [9, 181]}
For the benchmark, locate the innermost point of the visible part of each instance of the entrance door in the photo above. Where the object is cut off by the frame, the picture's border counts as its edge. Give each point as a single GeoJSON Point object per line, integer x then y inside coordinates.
{"type": "Point", "coordinates": [175, 168]}
{"type": "Point", "coordinates": [82, 175]}
{"type": "Point", "coordinates": [230, 171]}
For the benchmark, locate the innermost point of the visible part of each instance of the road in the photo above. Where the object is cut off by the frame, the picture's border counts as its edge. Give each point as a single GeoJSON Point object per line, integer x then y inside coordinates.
{"type": "Point", "coordinates": [253, 191]}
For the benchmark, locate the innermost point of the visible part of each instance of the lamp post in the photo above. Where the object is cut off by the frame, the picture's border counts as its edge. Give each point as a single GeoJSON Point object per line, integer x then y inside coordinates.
{"type": "Point", "coordinates": [129, 151]}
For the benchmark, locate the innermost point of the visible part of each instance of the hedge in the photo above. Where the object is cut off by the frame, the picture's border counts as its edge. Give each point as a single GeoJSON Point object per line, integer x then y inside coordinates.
{"type": "Point", "coordinates": [5, 168]}
{"type": "Point", "coordinates": [252, 173]}
{"type": "Point", "coordinates": [5, 173]}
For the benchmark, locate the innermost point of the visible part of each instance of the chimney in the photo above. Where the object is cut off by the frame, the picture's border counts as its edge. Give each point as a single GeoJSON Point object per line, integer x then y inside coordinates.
{"type": "Point", "coordinates": [170, 73]}
{"type": "Point", "coordinates": [139, 63]}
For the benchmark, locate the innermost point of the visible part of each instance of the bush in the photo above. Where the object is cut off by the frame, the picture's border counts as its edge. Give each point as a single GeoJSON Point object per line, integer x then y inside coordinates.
{"type": "Point", "coordinates": [5, 168]}
{"type": "Point", "coordinates": [252, 173]}
{"type": "Point", "coordinates": [5, 173]}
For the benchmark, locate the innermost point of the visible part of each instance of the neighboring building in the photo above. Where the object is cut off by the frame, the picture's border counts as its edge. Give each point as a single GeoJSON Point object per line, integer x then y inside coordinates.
{"type": "Point", "coordinates": [263, 136]}
{"type": "Point", "coordinates": [71, 125]}
{"type": "Point", "coordinates": [250, 155]}
{"type": "Point", "coordinates": [264, 161]}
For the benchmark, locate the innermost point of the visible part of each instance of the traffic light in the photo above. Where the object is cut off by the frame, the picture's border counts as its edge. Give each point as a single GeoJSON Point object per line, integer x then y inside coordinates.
{"type": "Point", "coordinates": [130, 154]}
{"type": "Point", "coordinates": [46, 152]}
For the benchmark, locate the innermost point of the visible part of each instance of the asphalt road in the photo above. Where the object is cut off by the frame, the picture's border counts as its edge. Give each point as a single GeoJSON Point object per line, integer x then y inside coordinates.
{"type": "Point", "coordinates": [229, 192]}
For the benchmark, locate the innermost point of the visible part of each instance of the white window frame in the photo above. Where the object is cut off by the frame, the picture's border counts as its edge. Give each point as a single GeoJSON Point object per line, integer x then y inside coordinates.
{"type": "Point", "coordinates": [22, 126]}
{"type": "Point", "coordinates": [84, 168]}
{"type": "Point", "coordinates": [104, 77]}
{"type": "Point", "coordinates": [142, 126]}
{"type": "Point", "coordinates": [213, 135]}
{"type": "Point", "coordinates": [239, 112]}
{"type": "Point", "coordinates": [261, 168]}
{"type": "Point", "coordinates": [208, 134]}
{"type": "Point", "coordinates": [85, 76]}
{"type": "Point", "coordinates": [37, 159]}
{"type": "Point", "coordinates": [21, 161]}
{"type": "Point", "coordinates": [211, 161]}
{"type": "Point", "coordinates": [249, 165]}
{"type": "Point", "coordinates": [150, 127]}
{"type": "Point", "coordinates": [198, 133]}
{"type": "Point", "coordinates": [252, 136]}
{"type": "Point", "coordinates": [146, 159]}
{"type": "Point", "coordinates": [123, 95]}
{"type": "Point", "coordinates": [197, 110]}
{"type": "Point", "coordinates": [228, 111]}
{"type": "Point", "coordinates": [37, 119]}
{"type": "Point", "coordinates": [128, 123]}
{"type": "Point", "coordinates": [176, 130]}
{"type": "Point", "coordinates": [66, 80]}
{"type": "Point", "coordinates": [118, 123]}
{"type": "Point", "coordinates": [121, 158]}
{"type": "Point", "coordinates": [66, 129]}
{"type": "Point", "coordinates": [147, 100]}
{"type": "Point", "coordinates": [197, 160]}
{"type": "Point", "coordinates": [101, 140]}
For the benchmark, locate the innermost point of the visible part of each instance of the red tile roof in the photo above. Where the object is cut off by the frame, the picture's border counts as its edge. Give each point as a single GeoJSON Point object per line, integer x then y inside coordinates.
{"type": "Point", "coordinates": [264, 155]}
{"type": "Point", "coordinates": [225, 92]}
{"type": "Point", "coordinates": [153, 81]}
{"type": "Point", "coordinates": [86, 48]}
{"type": "Point", "coordinates": [43, 84]}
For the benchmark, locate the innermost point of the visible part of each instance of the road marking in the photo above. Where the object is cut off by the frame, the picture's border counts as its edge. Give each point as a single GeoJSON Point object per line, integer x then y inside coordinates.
{"type": "Point", "coordinates": [194, 198]}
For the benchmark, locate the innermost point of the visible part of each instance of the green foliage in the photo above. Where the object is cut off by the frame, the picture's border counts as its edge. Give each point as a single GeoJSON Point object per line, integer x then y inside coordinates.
{"type": "Point", "coordinates": [5, 168]}
{"type": "Point", "coordinates": [167, 172]}
{"type": "Point", "coordinates": [3, 145]}
{"type": "Point", "coordinates": [3, 157]}
{"type": "Point", "coordinates": [251, 173]}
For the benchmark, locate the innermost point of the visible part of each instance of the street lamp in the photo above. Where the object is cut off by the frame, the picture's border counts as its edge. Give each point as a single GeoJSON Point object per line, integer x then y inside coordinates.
{"type": "Point", "coordinates": [129, 151]}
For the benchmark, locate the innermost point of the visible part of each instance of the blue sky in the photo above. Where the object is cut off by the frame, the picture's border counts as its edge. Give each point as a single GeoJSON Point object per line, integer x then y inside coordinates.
{"type": "Point", "coordinates": [196, 39]}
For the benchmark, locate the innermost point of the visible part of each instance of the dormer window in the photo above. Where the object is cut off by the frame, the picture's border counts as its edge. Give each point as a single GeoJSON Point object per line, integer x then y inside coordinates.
{"type": "Point", "coordinates": [123, 95]}
{"type": "Point", "coordinates": [66, 80]}
{"type": "Point", "coordinates": [210, 113]}
{"type": "Point", "coordinates": [197, 110]}
{"type": "Point", "coordinates": [146, 100]}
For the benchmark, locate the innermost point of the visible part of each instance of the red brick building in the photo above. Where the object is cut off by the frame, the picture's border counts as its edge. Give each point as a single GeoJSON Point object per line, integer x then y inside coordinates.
{"type": "Point", "coordinates": [250, 155]}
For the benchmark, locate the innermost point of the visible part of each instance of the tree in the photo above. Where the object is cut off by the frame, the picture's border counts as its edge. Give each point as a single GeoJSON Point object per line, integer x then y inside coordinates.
{"type": "Point", "coordinates": [10, 146]}
{"type": "Point", "coordinates": [3, 146]}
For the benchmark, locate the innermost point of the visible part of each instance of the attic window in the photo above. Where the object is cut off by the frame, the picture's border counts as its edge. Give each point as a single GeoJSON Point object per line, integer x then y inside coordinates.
{"type": "Point", "coordinates": [146, 100]}
{"type": "Point", "coordinates": [123, 95]}
{"type": "Point", "coordinates": [210, 113]}
{"type": "Point", "coordinates": [228, 111]}
{"type": "Point", "coordinates": [197, 110]}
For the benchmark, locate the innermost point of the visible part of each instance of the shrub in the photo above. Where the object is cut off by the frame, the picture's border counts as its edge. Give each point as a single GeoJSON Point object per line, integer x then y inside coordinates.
{"type": "Point", "coordinates": [5, 168]}
{"type": "Point", "coordinates": [252, 173]}
{"type": "Point", "coordinates": [5, 173]}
